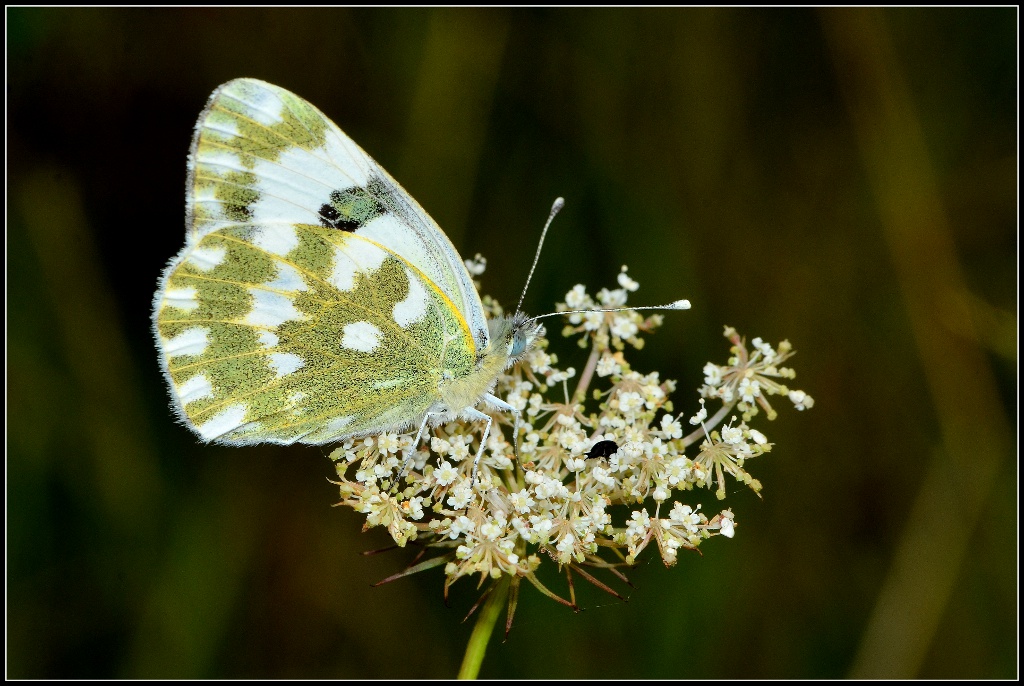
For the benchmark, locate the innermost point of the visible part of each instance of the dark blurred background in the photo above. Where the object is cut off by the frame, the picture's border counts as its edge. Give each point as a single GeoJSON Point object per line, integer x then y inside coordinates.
{"type": "Point", "coordinates": [843, 178]}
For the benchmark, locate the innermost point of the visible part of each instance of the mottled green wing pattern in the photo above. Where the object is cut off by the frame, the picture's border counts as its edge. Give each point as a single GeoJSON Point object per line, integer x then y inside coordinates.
{"type": "Point", "coordinates": [262, 154]}
{"type": "Point", "coordinates": [299, 333]}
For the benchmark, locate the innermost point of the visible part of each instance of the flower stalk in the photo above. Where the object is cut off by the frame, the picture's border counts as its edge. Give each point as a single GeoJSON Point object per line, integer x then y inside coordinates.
{"type": "Point", "coordinates": [476, 648]}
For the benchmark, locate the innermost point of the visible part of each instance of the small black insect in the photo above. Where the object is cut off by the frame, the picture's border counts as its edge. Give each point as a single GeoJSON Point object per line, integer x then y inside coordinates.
{"type": "Point", "coordinates": [603, 449]}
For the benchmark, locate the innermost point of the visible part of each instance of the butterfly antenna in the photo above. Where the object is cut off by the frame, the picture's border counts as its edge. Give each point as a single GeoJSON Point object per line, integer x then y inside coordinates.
{"type": "Point", "coordinates": [677, 305]}
{"type": "Point", "coordinates": [555, 209]}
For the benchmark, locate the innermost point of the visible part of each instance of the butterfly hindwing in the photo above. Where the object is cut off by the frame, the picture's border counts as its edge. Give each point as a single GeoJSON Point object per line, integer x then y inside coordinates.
{"type": "Point", "coordinates": [283, 333]}
{"type": "Point", "coordinates": [262, 154]}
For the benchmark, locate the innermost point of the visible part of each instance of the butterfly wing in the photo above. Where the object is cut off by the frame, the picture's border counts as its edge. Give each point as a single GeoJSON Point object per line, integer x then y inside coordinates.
{"type": "Point", "coordinates": [288, 333]}
{"type": "Point", "coordinates": [314, 299]}
{"type": "Point", "coordinates": [261, 153]}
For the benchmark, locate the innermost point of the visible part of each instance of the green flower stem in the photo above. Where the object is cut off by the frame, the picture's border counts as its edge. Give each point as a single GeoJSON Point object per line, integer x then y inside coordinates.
{"type": "Point", "coordinates": [488, 617]}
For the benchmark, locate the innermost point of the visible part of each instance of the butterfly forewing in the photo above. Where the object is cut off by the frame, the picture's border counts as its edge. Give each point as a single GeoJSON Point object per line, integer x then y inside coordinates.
{"type": "Point", "coordinates": [262, 154]}
{"type": "Point", "coordinates": [283, 333]}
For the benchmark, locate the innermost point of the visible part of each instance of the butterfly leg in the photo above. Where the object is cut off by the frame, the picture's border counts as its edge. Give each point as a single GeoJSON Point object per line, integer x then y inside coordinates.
{"type": "Point", "coordinates": [423, 425]}
{"type": "Point", "coordinates": [505, 407]}
{"type": "Point", "coordinates": [473, 413]}
{"type": "Point", "coordinates": [416, 441]}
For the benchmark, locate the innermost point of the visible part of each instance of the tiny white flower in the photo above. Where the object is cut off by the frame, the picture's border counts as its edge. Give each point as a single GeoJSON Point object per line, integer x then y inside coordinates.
{"type": "Point", "coordinates": [462, 526]}
{"type": "Point", "coordinates": [626, 282]}
{"type": "Point", "coordinates": [638, 525]}
{"type": "Point", "coordinates": [445, 473]}
{"type": "Point", "coordinates": [712, 374]}
{"type": "Point", "coordinates": [608, 365]}
{"type": "Point", "coordinates": [728, 530]}
{"type": "Point", "coordinates": [630, 401]}
{"type": "Point", "coordinates": [767, 352]}
{"type": "Point", "coordinates": [460, 448]}
{"type": "Point", "coordinates": [670, 427]}
{"type": "Point", "coordinates": [592, 321]}
{"type": "Point", "coordinates": [440, 446]}
{"type": "Point", "coordinates": [749, 390]}
{"type": "Point", "coordinates": [732, 435]}
{"type": "Point", "coordinates": [521, 501]}
{"type": "Point", "coordinates": [656, 448]}
{"type": "Point", "coordinates": [541, 525]}
{"type": "Point", "coordinates": [801, 400]}
{"type": "Point", "coordinates": [387, 443]}
{"type": "Point", "coordinates": [577, 464]}
{"type": "Point", "coordinates": [460, 495]}
{"type": "Point", "coordinates": [491, 530]}
{"type": "Point", "coordinates": [623, 326]}
{"type": "Point", "coordinates": [603, 476]}
{"type": "Point", "coordinates": [577, 298]}
{"type": "Point", "coordinates": [413, 508]}
{"type": "Point", "coordinates": [615, 298]}
{"type": "Point", "coordinates": [477, 265]}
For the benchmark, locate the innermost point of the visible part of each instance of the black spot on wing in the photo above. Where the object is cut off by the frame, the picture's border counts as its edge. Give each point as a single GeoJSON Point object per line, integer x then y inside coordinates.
{"type": "Point", "coordinates": [350, 208]}
{"type": "Point", "coordinates": [238, 213]}
{"type": "Point", "coordinates": [330, 218]}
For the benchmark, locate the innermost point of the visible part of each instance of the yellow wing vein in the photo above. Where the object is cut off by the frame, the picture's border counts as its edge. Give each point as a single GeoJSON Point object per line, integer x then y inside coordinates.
{"type": "Point", "coordinates": [429, 282]}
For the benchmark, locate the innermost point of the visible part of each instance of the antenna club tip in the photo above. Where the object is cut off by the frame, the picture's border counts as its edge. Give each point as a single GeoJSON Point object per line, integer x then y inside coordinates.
{"type": "Point", "coordinates": [558, 204]}
{"type": "Point", "coordinates": [681, 305]}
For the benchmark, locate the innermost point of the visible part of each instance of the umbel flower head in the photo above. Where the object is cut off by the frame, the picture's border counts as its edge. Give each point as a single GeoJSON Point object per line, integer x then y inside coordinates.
{"type": "Point", "coordinates": [587, 441]}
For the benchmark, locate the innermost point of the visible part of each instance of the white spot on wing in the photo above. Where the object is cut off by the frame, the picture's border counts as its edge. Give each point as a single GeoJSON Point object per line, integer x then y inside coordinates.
{"type": "Point", "coordinates": [285, 363]}
{"type": "Point", "coordinates": [189, 342]}
{"type": "Point", "coordinates": [390, 231]}
{"type": "Point", "coordinates": [414, 306]}
{"type": "Point", "coordinates": [277, 239]}
{"type": "Point", "coordinates": [361, 336]}
{"type": "Point", "coordinates": [221, 423]}
{"type": "Point", "coordinates": [351, 258]}
{"type": "Point", "coordinates": [270, 309]}
{"type": "Point", "coordinates": [288, 279]}
{"type": "Point", "coordinates": [181, 298]}
{"type": "Point", "coordinates": [196, 388]}
{"type": "Point", "coordinates": [204, 259]}
{"type": "Point", "coordinates": [268, 339]}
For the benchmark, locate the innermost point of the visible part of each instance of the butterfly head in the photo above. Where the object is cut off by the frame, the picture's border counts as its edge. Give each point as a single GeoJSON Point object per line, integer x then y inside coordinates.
{"type": "Point", "coordinates": [513, 337]}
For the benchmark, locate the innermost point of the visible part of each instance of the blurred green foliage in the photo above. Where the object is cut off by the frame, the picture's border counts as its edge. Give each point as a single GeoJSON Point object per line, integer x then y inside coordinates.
{"type": "Point", "coordinates": [845, 179]}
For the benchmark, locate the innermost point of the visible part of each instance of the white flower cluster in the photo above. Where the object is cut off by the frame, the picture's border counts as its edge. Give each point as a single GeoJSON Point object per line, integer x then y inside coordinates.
{"type": "Point", "coordinates": [573, 463]}
{"type": "Point", "coordinates": [749, 377]}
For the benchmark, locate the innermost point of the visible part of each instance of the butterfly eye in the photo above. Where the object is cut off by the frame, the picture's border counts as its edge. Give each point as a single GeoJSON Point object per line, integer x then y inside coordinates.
{"type": "Point", "coordinates": [519, 344]}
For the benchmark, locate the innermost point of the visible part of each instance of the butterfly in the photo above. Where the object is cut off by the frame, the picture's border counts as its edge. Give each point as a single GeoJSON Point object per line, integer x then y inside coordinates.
{"type": "Point", "coordinates": [314, 299]}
